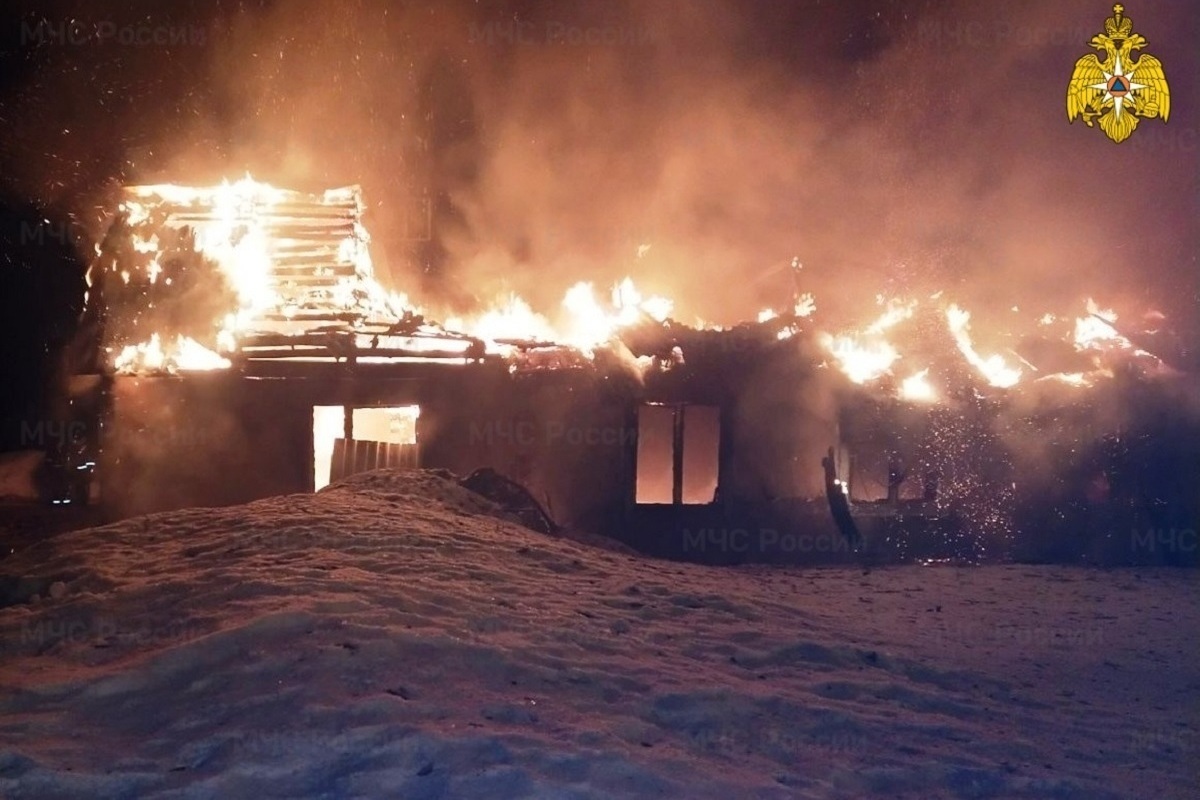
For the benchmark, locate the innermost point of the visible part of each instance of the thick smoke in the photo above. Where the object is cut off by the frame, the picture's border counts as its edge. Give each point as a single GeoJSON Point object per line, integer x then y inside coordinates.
{"type": "Point", "coordinates": [894, 148]}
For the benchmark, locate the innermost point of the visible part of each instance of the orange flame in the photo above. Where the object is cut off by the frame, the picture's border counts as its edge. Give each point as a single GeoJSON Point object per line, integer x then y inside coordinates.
{"type": "Point", "coordinates": [917, 388]}
{"type": "Point", "coordinates": [586, 322]}
{"type": "Point", "coordinates": [231, 227]}
{"type": "Point", "coordinates": [862, 361]}
{"type": "Point", "coordinates": [993, 368]}
{"type": "Point", "coordinates": [184, 354]}
{"type": "Point", "coordinates": [868, 356]}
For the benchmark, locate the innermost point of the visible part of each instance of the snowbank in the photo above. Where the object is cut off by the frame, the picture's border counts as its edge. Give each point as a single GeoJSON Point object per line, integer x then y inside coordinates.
{"type": "Point", "coordinates": [392, 636]}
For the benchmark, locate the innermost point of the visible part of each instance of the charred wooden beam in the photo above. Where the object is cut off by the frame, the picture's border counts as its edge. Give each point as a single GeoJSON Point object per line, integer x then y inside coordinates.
{"type": "Point", "coordinates": [331, 354]}
{"type": "Point", "coordinates": [839, 504]}
{"type": "Point", "coordinates": [315, 259]}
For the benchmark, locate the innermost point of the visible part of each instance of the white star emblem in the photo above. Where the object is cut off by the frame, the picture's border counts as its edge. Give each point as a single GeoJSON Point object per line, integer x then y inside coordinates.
{"type": "Point", "coordinates": [1115, 79]}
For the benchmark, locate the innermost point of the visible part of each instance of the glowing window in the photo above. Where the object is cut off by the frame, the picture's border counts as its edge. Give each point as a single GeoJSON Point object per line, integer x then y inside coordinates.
{"type": "Point", "coordinates": [397, 425]}
{"type": "Point", "coordinates": [678, 453]}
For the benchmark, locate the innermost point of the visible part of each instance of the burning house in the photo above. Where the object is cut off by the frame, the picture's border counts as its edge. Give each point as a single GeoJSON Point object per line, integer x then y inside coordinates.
{"type": "Point", "coordinates": [239, 346]}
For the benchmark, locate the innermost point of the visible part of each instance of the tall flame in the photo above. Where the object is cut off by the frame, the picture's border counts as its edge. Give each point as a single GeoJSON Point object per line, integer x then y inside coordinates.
{"type": "Point", "coordinates": [862, 361]}
{"type": "Point", "coordinates": [180, 355]}
{"type": "Point", "coordinates": [867, 355]}
{"type": "Point", "coordinates": [510, 319]}
{"type": "Point", "coordinates": [993, 368]}
{"type": "Point", "coordinates": [286, 256]}
{"type": "Point", "coordinates": [232, 234]}
{"type": "Point", "coordinates": [916, 387]}
{"type": "Point", "coordinates": [586, 321]}
{"type": "Point", "coordinates": [1096, 332]}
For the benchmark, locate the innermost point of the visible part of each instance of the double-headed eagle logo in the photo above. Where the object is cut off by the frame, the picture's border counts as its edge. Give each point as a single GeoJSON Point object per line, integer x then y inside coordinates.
{"type": "Point", "coordinates": [1118, 90]}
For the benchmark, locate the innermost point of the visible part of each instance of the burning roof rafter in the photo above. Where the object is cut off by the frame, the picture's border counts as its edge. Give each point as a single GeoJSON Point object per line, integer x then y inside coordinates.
{"type": "Point", "coordinates": [281, 274]}
{"type": "Point", "coordinates": [291, 257]}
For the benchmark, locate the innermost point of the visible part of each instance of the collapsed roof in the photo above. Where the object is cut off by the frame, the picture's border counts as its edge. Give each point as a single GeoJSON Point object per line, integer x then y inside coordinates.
{"type": "Point", "coordinates": [203, 278]}
{"type": "Point", "coordinates": [190, 278]}
{"type": "Point", "coordinates": [199, 278]}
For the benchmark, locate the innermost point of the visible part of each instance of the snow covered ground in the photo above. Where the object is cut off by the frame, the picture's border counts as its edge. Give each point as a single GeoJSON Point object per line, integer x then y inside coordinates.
{"type": "Point", "coordinates": [388, 637]}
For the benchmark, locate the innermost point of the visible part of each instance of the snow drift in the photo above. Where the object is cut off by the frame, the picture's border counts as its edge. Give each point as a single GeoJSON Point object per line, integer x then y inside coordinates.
{"type": "Point", "coordinates": [396, 635]}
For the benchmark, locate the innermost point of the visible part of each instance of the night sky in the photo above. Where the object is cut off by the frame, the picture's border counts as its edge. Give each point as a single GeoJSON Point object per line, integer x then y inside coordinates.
{"type": "Point", "coordinates": [895, 148]}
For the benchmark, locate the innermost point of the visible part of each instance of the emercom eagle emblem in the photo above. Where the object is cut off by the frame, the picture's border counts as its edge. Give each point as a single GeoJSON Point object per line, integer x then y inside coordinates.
{"type": "Point", "coordinates": [1119, 91]}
